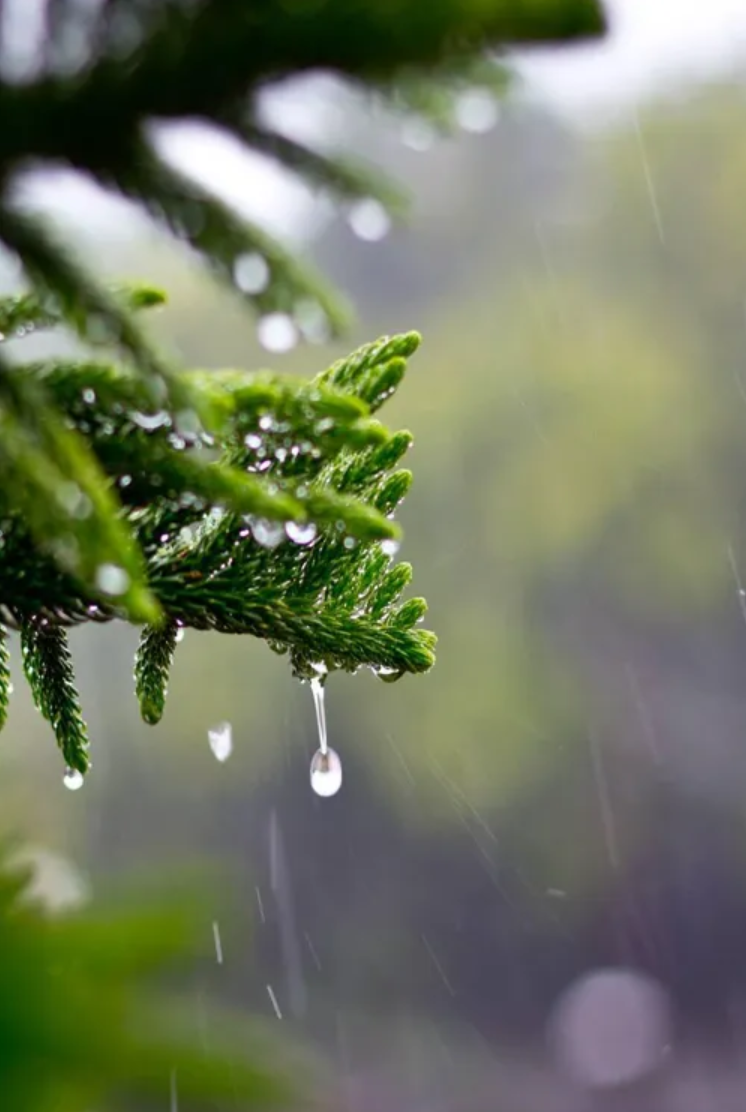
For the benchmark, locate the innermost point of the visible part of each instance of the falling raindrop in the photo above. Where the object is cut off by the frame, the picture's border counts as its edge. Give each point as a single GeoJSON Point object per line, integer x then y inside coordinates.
{"type": "Point", "coordinates": [369, 220]}
{"type": "Point", "coordinates": [111, 579]}
{"type": "Point", "coordinates": [301, 532]}
{"type": "Point", "coordinates": [251, 273]}
{"type": "Point", "coordinates": [326, 767]}
{"type": "Point", "coordinates": [72, 779]}
{"type": "Point", "coordinates": [221, 741]}
{"type": "Point", "coordinates": [277, 332]}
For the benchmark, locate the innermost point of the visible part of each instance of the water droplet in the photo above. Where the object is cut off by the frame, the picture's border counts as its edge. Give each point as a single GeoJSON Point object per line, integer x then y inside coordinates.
{"type": "Point", "coordinates": [268, 533]}
{"type": "Point", "coordinates": [477, 110]}
{"type": "Point", "coordinates": [390, 546]}
{"type": "Point", "coordinates": [277, 332]}
{"type": "Point", "coordinates": [151, 421]}
{"type": "Point", "coordinates": [221, 741]}
{"type": "Point", "coordinates": [180, 634]}
{"type": "Point", "coordinates": [251, 273]}
{"type": "Point", "coordinates": [188, 423]}
{"type": "Point", "coordinates": [388, 675]}
{"type": "Point", "coordinates": [369, 220]}
{"type": "Point", "coordinates": [326, 772]}
{"type": "Point", "coordinates": [317, 690]}
{"type": "Point", "coordinates": [252, 440]}
{"type": "Point", "coordinates": [301, 532]}
{"type": "Point", "coordinates": [312, 320]}
{"type": "Point", "coordinates": [350, 543]}
{"type": "Point", "coordinates": [89, 396]}
{"type": "Point", "coordinates": [72, 779]}
{"type": "Point", "coordinates": [111, 579]}
{"type": "Point", "coordinates": [418, 135]}
{"type": "Point", "coordinates": [74, 500]}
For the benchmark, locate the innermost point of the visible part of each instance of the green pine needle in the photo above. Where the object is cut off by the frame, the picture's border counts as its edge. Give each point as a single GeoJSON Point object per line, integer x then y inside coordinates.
{"type": "Point", "coordinates": [152, 664]}
{"type": "Point", "coordinates": [5, 683]}
{"type": "Point", "coordinates": [48, 667]}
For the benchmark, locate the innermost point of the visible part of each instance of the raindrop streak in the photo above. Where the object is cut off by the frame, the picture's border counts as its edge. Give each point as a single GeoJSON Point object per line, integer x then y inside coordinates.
{"type": "Point", "coordinates": [218, 944]}
{"type": "Point", "coordinates": [326, 767]}
{"type": "Point", "coordinates": [72, 779]}
{"type": "Point", "coordinates": [273, 998]}
{"type": "Point", "coordinates": [174, 1093]}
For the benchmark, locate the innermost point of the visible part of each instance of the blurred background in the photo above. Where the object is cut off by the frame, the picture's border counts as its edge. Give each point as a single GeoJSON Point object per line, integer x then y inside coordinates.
{"type": "Point", "coordinates": [531, 891]}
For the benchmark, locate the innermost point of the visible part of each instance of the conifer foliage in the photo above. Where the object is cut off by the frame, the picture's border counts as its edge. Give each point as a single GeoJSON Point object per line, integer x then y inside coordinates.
{"type": "Point", "coordinates": [133, 488]}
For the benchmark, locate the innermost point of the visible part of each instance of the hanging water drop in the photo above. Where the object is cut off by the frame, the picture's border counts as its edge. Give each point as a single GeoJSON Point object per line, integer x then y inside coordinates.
{"type": "Point", "coordinates": [390, 546]}
{"type": "Point", "coordinates": [72, 779]}
{"type": "Point", "coordinates": [300, 532]}
{"type": "Point", "coordinates": [326, 767]}
{"type": "Point", "coordinates": [326, 772]}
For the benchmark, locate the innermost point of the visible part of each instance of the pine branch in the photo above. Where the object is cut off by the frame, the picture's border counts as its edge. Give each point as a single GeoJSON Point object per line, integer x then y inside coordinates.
{"type": "Point", "coordinates": [280, 526]}
{"type": "Point", "coordinates": [241, 503]}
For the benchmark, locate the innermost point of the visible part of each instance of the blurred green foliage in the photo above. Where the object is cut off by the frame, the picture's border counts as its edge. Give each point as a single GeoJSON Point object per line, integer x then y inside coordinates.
{"type": "Point", "coordinates": [87, 1018]}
